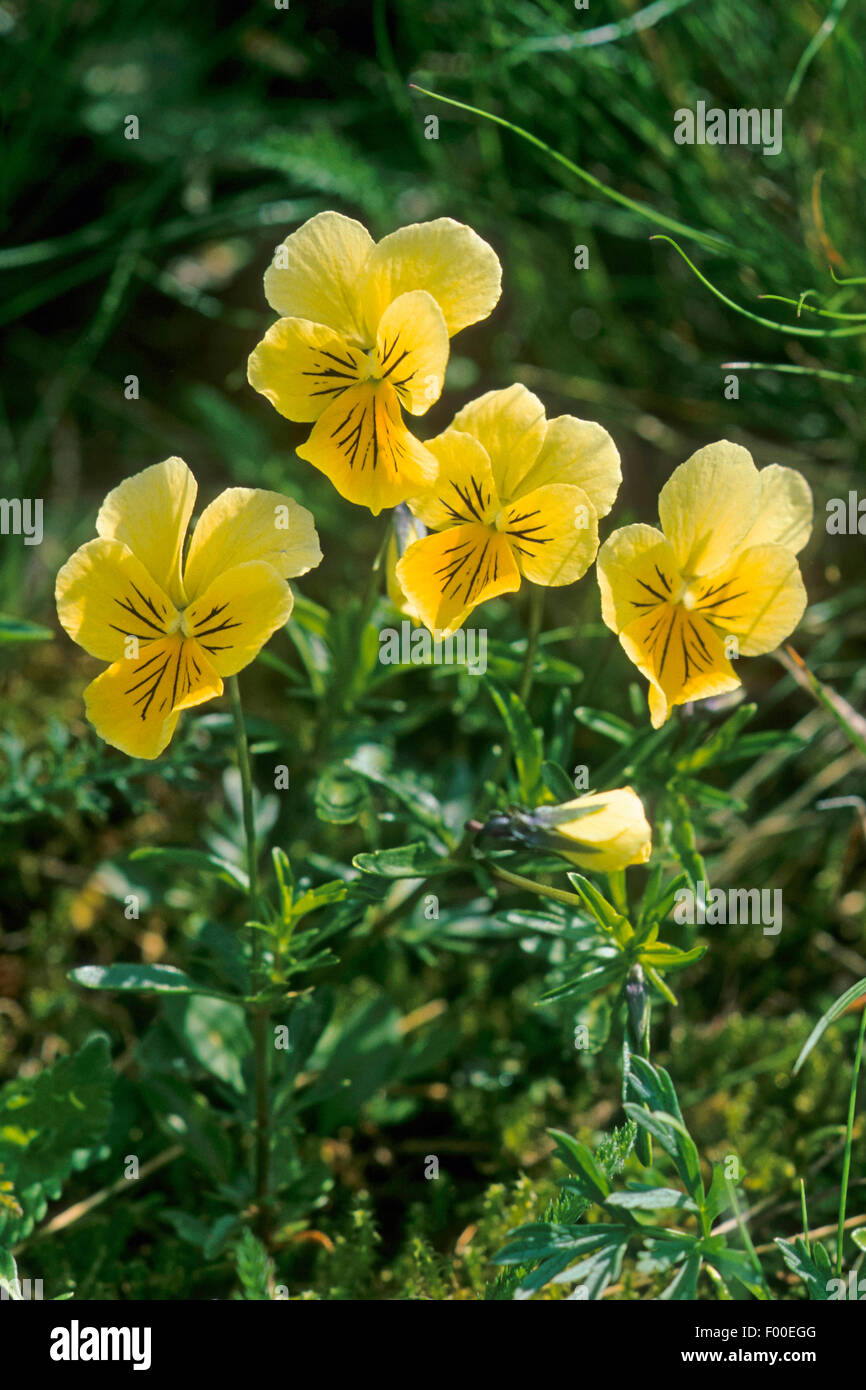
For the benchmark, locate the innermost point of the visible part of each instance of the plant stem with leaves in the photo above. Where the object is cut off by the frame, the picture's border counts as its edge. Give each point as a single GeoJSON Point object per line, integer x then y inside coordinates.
{"type": "Point", "coordinates": [260, 1012]}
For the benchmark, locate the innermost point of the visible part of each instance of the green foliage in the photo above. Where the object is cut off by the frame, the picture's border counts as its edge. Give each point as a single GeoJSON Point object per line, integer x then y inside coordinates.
{"type": "Point", "coordinates": [564, 1249]}
{"type": "Point", "coordinates": [50, 1126]}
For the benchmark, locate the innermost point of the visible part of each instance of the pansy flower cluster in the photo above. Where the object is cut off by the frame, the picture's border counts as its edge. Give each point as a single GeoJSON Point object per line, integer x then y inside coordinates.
{"type": "Point", "coordinates": [502, 495]}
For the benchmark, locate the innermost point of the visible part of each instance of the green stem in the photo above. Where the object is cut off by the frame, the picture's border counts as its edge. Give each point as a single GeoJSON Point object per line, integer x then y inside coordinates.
{"type": "Point", "coordinates": [849, 1134]}
{"type": "Point", "coordinates": [747, 1239]}
{"type": "Point", "coordinates": [558, 895]}
{"type": "Point", "coordinates": [536, 612]}
{"type": "Point", "coordinates": [524, 688]}
{"type": "Point", "coordinates": [260, 1012]}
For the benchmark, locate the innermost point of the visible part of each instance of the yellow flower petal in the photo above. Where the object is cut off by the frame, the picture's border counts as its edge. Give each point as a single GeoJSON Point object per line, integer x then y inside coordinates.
{"type": "Point", "coordinates": [317, 272]}
{"type": "Point", "coordinates": [412, 350]}
{"type": "Point", "coordinates": [579, 452]}
{"type": "Point", "coordinates": [237, 613]}
{"type": "Point", "coordinates": [245, 524]}
{"type": "Point", "coordinates": [616, 834]}
{"type": "Point", "coordinates": [362, 445]}
{"type": "Point", "coordinates": [303, 367]}
{"type": "Point", "coordinates": [636, 571]}
{"type": "Point", "coordinates": [759, 598]}
{"type": "Point", "coordinates": [784, 510]}
{"type": "Point", "coordinates": [134, 705]}
{"type": "Point", "coordinates": [464, 489]}
{"type": "Point", "coordinates": [708, 505]}
{"type": "Point", "coordinates": [446, 575]}
{"type": "Point", "coordinates": [150, 513]}
{"type": "Point", "coordinates": [511, 425]}
{"type": "Point", "coordinates": [681, 653]}
{"type": "Point", "coordinates": [105, 595]}
{"type": "Point", "coordinates": [553, 532]}
{"type": "Point", "coordinates": [448, 260]}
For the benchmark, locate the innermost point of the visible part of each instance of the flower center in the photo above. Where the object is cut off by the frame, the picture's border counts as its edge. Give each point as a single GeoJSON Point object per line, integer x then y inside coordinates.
{"type": "Point", "coordinates": [179, 623]}
{"type": "Point", "coordinates": [374, 369]}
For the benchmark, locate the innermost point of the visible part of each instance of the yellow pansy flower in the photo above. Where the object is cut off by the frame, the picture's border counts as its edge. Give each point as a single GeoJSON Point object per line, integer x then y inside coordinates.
{"type": "Point", "coordinates": [719, 580]}
{"type": "Point", "coordinates": [518, 496]}
{"type": "Point", "coordinates": [364, 330]}
{"type": "Point", "coordinates": [604, 831]}
{"type": "Point", "coordinates": [172, 629]}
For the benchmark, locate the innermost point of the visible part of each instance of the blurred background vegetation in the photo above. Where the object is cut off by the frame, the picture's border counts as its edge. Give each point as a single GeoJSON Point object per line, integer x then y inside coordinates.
{"type": "Point", "coordinates": [143, 257]}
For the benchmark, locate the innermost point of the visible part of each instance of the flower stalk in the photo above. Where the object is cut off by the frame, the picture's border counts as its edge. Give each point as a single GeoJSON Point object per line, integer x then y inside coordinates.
{"type": "Point", "coordinates": [259, 1011]}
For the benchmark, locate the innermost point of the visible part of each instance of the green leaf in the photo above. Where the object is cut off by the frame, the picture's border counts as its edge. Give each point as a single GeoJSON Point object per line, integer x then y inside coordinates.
{"type": "Point", "coordinates": [525, 741]}
{"type": "Point", "coordinates": [422, 805]}
{"type": "Point", "coordinates": [609, 725]}
{"type": "Point", "coordinates": [718, 1198]}
{"type": "Point", "coordinates": [604, 912]}
{"type": "Point", "coordinates": [19, 630]}
{"type": "Point", "coordinates": [723, 738]}
{"type": "Point", "coordinates": [651, 1199]}
{"type": "Point", "coordinates": [684, 1287]}
{"type": "Point", "coordinates": [733, 1265]}
{"type": "Point", "coordinates": [140, 979]}
{"type": "Point", "coordinates": [589, 982]}
{"type": "Point", "coordinates": [205, 862]}
{"type": "Point", "coordinates": [796, 1255]}
{"type": "Point", "coordinates": [48, 1125]}
{"type": "Point", "coordinates": [557, 781]}
{"type": "Point", "coordinates": [602, 1267]}
{"type": "Point", "coordinates": [666, 957]}
{"type": "Point", "coordinates": [579, 1160]}
{"type": "Point", "coordinates": [835, 1010]}
{"type": "Point", "coordinates": [340, 795]}
{"type": "Point", "coordinates": [405, 861]}
{"type": "Point", "coordinates": [253, 1266]}
{"type": "Point", "coordinates": [215, 1033]}
{"type": "Point", "coordinates": [325, 895]}
{"type": "Point", "coordinates": [185, 1117]}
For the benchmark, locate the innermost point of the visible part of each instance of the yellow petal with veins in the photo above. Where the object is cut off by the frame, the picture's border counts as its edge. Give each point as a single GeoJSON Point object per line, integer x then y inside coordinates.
{"type": "Point", "coordinates": [135, 704]}
{"type": "Point", "coordinates": [579, 452]}
{"type": "Point", "coordinates": [446, 575]}
{"type": "Point", "coordinates": [237, 613]}
{"type": "Point", "coordinates": [511, 425]}
{"type": "Point", "coordinates": [681, 653]}
{"type": "Point", "coordinates": [759, 598]}
{"type": "Point", "coordinates": [105, 596]}
{"type": "Point", "coordinates": [636, 571]}
{"type": "Point", "coordinates": [708, 505]}
{"type": "Point", "coordinates": [303, 367]}
{"type": "Point", "coordinates": [443, 257]}
{"type": "Point", "coordinates": [784, 510]}
{"type": "Point", "coordinates": [317, 272]}
{"type": "Point", "coordinates": [464, 489]}
{"type": "Point", "coordinates": [245, 524]}
{"type": "Point", "coordinates": [553, 532]}
{"type": "Point", "coordinates": [362, 445]}
{"type": "Point", "coordinates": [150, 513]}
{"type": "Point", "coordinates": [412, 350]}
